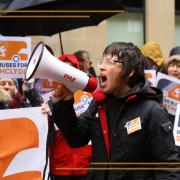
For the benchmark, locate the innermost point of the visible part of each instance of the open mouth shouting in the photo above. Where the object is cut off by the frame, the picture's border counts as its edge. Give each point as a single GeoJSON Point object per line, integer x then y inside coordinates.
{"type": "Point", "coordinates": [103, 80]}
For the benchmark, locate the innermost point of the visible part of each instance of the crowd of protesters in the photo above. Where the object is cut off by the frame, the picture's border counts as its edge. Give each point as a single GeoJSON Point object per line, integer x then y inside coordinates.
{"type": "Point", "coordinates": [125, 121]}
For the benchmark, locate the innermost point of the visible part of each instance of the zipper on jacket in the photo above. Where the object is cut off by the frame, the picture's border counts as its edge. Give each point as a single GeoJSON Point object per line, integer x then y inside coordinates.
{"type": "Point", "coordinates": [110, 140]}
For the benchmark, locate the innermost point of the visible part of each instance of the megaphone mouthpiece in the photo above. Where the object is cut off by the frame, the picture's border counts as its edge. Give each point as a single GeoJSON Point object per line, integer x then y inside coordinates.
{"type": "Point", "coordinates": [92, 84]}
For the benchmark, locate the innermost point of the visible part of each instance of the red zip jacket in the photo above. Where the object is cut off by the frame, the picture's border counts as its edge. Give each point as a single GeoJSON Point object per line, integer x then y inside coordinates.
{"type": "Point", "coordinates": [67, 157]}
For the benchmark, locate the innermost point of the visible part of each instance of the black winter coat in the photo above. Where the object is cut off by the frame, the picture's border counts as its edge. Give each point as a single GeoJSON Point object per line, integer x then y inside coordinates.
{"type": "Point", "coordinates": [154, 142]}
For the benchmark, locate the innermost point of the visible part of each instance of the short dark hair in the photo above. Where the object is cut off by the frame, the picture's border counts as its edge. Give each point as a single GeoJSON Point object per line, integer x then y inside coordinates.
{"type": "Point", "coordinates": [79, 53]}
{"type": "Point", "coordinates": [132, 58]}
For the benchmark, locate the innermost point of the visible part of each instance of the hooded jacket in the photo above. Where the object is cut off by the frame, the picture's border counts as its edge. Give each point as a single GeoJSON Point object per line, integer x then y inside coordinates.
{"type": "Point", "coordinates": [138, 128]}
{"type": "Point", "coordinates": [153, 51]}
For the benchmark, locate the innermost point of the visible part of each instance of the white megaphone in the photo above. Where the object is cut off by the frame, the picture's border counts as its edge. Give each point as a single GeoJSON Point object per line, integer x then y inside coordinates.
{"type": "Point", "coordinates": [42, 64]}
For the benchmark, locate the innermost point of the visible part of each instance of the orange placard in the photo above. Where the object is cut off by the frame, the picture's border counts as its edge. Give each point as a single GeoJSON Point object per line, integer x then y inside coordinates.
{"type": "Point", "coordinates": [21, 133]}
{"type": "Point", "coordinates": [79, 94]}
{"type": "Point", "coordinates": [13, 50]}
{"type": "Point", "coordinates": [174, 93]}
{"type": "Point", "coordinates": [148, 75]}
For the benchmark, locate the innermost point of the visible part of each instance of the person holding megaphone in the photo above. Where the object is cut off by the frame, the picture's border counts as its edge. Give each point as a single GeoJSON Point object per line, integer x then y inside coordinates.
{"type": "Point", "coordinates": [125, 121]}
{"type": "Point", "coordinates": [63, 156]}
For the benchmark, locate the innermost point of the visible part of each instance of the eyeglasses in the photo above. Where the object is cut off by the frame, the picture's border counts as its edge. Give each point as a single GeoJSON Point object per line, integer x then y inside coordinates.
{"type": "Point", "coordinates": [108, 62]}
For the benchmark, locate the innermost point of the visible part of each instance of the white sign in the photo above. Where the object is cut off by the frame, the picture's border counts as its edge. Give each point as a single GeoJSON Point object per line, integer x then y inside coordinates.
{"type": "Point", "coordinates": [23, 136]}
{"type": "Point", "coordinates": [14, 56]}
{"type": "Point", "coordinates": [176, 130]}
{"type": "Point", "coordinates": [151, 76]}
{"type": "Point", "coordinates": [171, 91]}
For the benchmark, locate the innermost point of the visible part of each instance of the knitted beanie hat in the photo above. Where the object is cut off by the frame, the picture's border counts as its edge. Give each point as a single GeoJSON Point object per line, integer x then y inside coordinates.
{"type": "Point", "coordinates": [153, 51]}
{"type": "Point", "coordinates": [174, 58]}
{"type": "Point", "coordinates": [175, 51]}
{"type": "Point", "coordinates": [71, 58]}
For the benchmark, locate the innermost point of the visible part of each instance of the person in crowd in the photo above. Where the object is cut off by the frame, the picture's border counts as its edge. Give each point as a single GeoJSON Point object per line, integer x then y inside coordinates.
{"type": "Point", "coordinates": [62, 155]}
{"type": "Point", "coordinates": [125, 120]}
{"type": "Point", "coordinates": [154, 56]}
{"type": "Point", "coordinates": [12, 98]}
{"type": "Point", "coordinates": [175, 51]}
{"type": "Point", "coordinates": [85, 62]}
{"type": "Point", "coordinates": [172, 66]}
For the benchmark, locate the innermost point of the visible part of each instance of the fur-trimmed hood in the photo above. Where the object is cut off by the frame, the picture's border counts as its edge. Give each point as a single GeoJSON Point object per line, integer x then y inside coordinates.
{"type": "Point", "coordinates": [175, 58]}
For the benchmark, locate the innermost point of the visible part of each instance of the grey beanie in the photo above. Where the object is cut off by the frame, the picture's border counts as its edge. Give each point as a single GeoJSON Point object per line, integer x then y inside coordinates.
{"type": "Point", "coordinates": [175, 51]}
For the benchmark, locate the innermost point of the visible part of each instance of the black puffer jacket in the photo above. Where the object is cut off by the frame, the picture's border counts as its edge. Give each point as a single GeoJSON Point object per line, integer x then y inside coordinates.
{"type": "Point", "coordinates": [154, 142]}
